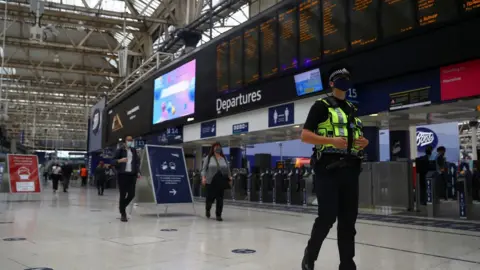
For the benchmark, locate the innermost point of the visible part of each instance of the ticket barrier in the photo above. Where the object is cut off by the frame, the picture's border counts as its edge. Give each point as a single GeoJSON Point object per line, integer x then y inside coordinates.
{"type": "Point", "coordinates": [280, 186]}
{"type": "Point", "coordinates": [432, 197]}
{"type": "Point", "coordinates": [196, 183]}
{"type": "Point", "coordinates": [452, 181]}
{"type": "Point", "coordinates": [464, 195]}
{"type": "Point", "coordinates": [297, 187]}
{"type": "Point", "coordinates": [266, 186]}
{"type": "Point", "coordinates": [239, 185]}
{"type": "Point", "coordinates": [255, 187]}
{"type": "Point", "coordinates": [309, 191]}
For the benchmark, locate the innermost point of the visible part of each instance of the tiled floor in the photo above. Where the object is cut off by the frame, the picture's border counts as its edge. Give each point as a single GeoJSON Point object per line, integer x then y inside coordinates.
{"type": "Point", "coordinates": [79, 230]}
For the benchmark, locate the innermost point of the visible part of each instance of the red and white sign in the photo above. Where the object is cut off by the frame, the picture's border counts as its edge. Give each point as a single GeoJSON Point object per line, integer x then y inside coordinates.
{"type": "Point", "coordinates": [23, 171]}
{"type": "Point", "coordinates": [460, 80]}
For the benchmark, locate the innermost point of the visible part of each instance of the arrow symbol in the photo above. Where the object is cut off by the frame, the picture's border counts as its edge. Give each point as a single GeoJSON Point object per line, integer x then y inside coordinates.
{"type": "Point", "coordinates": [173, 191]}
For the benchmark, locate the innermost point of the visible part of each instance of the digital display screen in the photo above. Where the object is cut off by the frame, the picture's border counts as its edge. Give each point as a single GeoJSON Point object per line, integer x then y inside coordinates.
{"type": "Point", "coordinates": [310, 29]}
{"type": "Point", "coordinates": [363, 22]}
{"type": "Point", "coordinates": [235, 60]}
{"type": "Point", "coordinates": [268, 47]}
{"type": "Point", "coordinates": [287, 43]}
{"type": "Point", "coordinates": [250, 50]}
{"type": "Point", "coordinates": [222, 66]}
{"type": "Point", "coordinates": [334, 27]}
{"type": "Point", "coordinates": [432, 11]}
{"type": "Point", "coordinates": [397, 16]}
{"type": "Point", "coordinates": [471, 5]}
{"type": "Point", "coordinates": [308, 82]}
{"type": "Point", "coordinates": [174, 93]}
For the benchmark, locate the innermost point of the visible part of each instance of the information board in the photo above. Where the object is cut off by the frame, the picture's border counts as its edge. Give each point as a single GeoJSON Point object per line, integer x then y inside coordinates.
{"type": "Point", "coordinates": [433, 11]}
{"type": "Point", "coordinates": [169, 174]}
{"type": "Point", "coordinates": [310, 30]}
{"type": "Point", "coordinates": [222, 66]}
{"type": "Point", "coordinates": [471, 5]}
{"type": "Point", "coordinates": [268, 48]}
{"type": "Point", "coordinates": [334, 27]}
{"type": "Point", "coordinates": [410, 98]}
{"type": "Point", "coordinates": [397, 16]}
{"type": "Point", "coordinates": [363, 22]}
{"type": "Point", "coordinates": [251, 55]}
{"type": "Point", "coordinates": [235, 60]}
{"type": "Point", "coordinates": [288, 36]}
{"type": "Point", "coordinates": [23, 172]}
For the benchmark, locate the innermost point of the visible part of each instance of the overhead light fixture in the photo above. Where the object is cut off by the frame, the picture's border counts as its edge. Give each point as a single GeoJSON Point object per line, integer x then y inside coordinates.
{"type": "Point", "coordinates": [374, 114]}
{"type": "Point", "coordinates": [297, 126]}
{"type": "Point", "coordinates": [190, 119]}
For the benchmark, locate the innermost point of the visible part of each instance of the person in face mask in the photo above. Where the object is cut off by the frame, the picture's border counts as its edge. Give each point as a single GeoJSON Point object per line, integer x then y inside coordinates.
{"type": "Point", "coordinates": [336, 133]}
{"type": "Point", "coordinates": [217, 177]}
{"type": "Point", "coordinates": [127, 162]}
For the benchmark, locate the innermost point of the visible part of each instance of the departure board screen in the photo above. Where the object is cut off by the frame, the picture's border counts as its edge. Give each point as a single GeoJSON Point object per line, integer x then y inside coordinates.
{"type": "Point", "coordinates": [222, 66]}
{"type": "Point", "coordinates": [268, 48]}
{"type": "Point", "coordinates": [251, 59]}
{"type": "Point", "coordinates": [334, 27]}
{"type": "Point", "coordinates": [288, 38]}
{"type": "Point", "coordinates": [432, 11]}
{"type": "Point", "coordinates": [397, 16]}
{"type": "Point", "coordinates": [363, 22]}
{"type": "Point", "coordinates": [235, 78]}
{"type": "Point", "coordinates": [471, 5]}
{"type": "Point", "coordinates": [310, 30]}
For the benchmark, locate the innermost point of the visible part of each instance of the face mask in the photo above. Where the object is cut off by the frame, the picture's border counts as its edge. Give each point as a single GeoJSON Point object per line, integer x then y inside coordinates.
{"type": "Point", "coordinates": [343, 84]}
{"type": "Point", "coordinates": [129, 144]}
{"type": "Point", "coordinates": [218, 151]}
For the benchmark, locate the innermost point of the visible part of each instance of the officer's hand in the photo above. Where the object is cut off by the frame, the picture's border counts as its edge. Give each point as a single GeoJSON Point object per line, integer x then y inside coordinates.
{"type": "Point", "coordinates": [361, 142]}
{"type": "Point", "coordinates": [339, 143]}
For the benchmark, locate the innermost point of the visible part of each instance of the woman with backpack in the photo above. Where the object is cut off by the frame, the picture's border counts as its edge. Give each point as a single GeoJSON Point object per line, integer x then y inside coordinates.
{"type": "Point", "coordinates": [217, 177]}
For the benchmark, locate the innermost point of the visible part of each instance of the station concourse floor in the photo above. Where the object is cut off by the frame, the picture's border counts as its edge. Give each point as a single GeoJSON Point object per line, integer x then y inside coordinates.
{"type": "Point", "coordinates": [81, 230]}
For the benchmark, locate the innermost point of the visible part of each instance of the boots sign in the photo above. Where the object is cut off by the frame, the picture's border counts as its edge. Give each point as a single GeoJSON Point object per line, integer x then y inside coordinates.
{"type": "Point", "coordinates": [224, 105]}
{"type": "Point", "coordinates": [426, 137]}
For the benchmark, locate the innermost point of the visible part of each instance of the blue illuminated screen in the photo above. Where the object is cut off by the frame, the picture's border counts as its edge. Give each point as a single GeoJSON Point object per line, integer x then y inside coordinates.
{"type": "Point", "coordinates": [308, 82]}
{"type": "Point", "coordinates": [174, 94]}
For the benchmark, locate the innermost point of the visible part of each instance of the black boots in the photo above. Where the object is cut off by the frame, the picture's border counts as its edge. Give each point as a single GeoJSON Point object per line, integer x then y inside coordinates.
{"type": "Point", "coordinates": [306, 265]}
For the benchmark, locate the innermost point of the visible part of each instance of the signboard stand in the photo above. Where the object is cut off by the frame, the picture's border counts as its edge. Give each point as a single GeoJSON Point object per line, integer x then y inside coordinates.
{"type": "Point", "coordinates": [23, 178]}
{"type": "Point", "coordinates": [167, 182]}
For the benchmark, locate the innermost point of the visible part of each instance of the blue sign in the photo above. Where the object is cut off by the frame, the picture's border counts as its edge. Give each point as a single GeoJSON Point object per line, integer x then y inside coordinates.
{"type": "Point", "coordinates": [429, 191]}
{"type": "Point", "coordinates": [426, 137]}
{"type": "Point", "coordinates": [169, 174]}
{"type": "Point", "coordinates": [462, 204]}
{"type": "Point", "coordinates": [170, 136]}
{"type": "Point", "coordinates": [352, 95]}
{"type": "Point", "coordinates": [140, 143]}
{"type": "Point", "coordinates": [208, 129]}
{"type": "Point", "coordinates": [240, 128]}
{"type": "Point", "coordinates": [281, 115]}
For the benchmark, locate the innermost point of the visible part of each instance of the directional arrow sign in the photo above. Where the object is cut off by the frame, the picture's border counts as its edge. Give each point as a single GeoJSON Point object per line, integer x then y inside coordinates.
{"type": "Point", "coordinates": [173, 191]}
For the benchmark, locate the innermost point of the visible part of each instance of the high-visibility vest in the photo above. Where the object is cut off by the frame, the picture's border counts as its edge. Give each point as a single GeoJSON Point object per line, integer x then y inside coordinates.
{"type": "Point", "coordinates": [337, 126]}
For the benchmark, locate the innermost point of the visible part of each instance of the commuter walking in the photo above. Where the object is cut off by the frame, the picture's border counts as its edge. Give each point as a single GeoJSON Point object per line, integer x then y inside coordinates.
{"type": "Point", "coordinates": [128, 165]}
{"type": "Point", "coordinates": [67, 171]}
{"type": "Point", "coordinates": [336, 132]}
{"type": "Point", "coordinates": [217, 177]}
{"type": "Point", "coordinates": [100, 177]}
{"type": "Point", "coordinates": [84, 175]}
{"type": "Point", "coordinates": [442, 167]}
{"type": "Point", "coordinates": [56, 176]}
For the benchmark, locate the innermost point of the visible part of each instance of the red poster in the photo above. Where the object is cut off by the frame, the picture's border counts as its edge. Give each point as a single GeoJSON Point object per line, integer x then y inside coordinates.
{"type": "Point", "coordinates": [23, 171]}
{"type": "Point", "coordinates": [460, 80]}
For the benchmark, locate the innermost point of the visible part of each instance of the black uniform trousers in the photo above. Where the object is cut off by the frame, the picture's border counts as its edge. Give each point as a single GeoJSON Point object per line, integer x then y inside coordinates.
{"type": "Point", "coordinates": [126, 185]}
{"type": "Point", "coordinates": [337, 195]}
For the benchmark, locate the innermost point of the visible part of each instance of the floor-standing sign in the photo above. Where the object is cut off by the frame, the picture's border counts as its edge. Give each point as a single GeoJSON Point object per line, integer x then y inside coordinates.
{"type": "Point", "coordinates": [169, 175]}
{"type": "Point", "coordinates": [23, 172]}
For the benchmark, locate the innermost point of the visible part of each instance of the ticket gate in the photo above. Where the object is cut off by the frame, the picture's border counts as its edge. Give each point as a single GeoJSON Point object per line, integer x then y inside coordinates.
{"type": "Point", "coordinates": [239, 185]}
{"type": "Point", "coordinates": [280, 187]}
{"type": "Point", "coordinates": [255, 187]}
{"type": "Point", "coordinates": [196, 183]}
{"type": "Point", "coordinates": [266, 186]}
{"type": "Point", "coordinates": [308, 190]}
{"type": "Point", "coordinates": [297, 186]}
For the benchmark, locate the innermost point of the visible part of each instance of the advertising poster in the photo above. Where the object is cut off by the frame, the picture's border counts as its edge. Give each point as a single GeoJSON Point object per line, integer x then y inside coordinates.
{"type": "Point", "coordinates": [23, 171]}
{"type": "Point", "coordinates": [169, 174]}
{"type": "Point", "coordinates": [174, 93]}
{"type": "Point", "coordinates": [462, 76]}
{"type": "Point", "coordinates": [95, 126]}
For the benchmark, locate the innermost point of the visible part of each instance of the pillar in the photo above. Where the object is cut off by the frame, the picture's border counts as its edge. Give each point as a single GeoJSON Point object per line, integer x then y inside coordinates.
{"type": "Point", "coordinates": [474, 129]}
{"type": "Point", "coordinates": [236, 155]}
{"type": "Point", "coordinates": [399, 145]}
{"type": "Point", "coordinates": [372, 152]}
{"type": "Point", "coordinates": [412, 130]}
{"type": "Point", "coordinates": [13, 146]}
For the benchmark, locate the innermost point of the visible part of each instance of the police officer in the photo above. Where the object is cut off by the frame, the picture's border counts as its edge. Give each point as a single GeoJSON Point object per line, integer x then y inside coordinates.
{"type": "Point", "coordinates": [335, 131]}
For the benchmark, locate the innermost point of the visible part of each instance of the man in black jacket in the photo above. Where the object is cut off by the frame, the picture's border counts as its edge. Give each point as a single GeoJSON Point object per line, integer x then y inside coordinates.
{"type": "Point", "coordinates": [128, 163]}
{"type": "Point", "coordinates": [67, 171]}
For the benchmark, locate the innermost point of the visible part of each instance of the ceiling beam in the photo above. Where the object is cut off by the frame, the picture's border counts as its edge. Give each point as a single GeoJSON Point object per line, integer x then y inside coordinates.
{"type": "Point", "coordinates": [54, 85]}
{"type": "Point", "coordinates": [23, 42]}
{"type": "Point", "coordinates": [50, 67]}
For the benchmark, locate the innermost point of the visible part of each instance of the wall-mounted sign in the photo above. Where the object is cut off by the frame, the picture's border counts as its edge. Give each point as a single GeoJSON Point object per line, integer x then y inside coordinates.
{"type": "Point", "coordinates": [426, 137]}
{"type": "Point", "coordinates": [223, 105]}
{"type": "Point", "coordinates": [208, 129]}
{"type": "Point", "coordinates": [170, 136]}
{"type": "Point", "coordinates": [410, 98]}
{"type": "Point", "coordinates": [240, 128]}
{"type": "Point", "coordinates": [462, 76]}
{"type": "Point", "coordinates": [281, 115]}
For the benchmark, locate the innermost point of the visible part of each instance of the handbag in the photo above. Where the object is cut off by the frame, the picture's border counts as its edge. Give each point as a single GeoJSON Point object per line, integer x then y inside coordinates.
{"type": "Point", "coordinates": [224, 180]}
